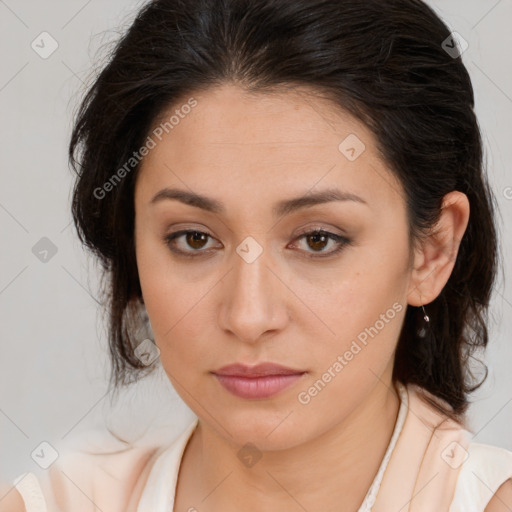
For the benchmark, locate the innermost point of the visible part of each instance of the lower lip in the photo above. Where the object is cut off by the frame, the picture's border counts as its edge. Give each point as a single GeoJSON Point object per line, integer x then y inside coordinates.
{"type": "Point", "coordinates": [257, 387]}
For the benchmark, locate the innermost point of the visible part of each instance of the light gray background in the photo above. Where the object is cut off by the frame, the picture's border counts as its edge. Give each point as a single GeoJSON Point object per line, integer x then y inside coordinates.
{"type": "Point", "coordinates": [53, 359]}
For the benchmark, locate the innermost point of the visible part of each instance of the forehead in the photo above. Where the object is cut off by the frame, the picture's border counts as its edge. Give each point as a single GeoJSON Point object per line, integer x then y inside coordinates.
{"type": "Point", "coordinates": [267, 144]}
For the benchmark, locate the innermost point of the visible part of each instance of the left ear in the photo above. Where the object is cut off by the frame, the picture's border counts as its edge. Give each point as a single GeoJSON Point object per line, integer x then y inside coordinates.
{"type": "Point", "coordinates": [435, 258]}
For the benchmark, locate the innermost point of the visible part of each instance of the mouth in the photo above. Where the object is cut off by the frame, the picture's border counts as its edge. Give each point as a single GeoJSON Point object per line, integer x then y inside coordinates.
{"type": "Point", "coordinates": [255, 382]}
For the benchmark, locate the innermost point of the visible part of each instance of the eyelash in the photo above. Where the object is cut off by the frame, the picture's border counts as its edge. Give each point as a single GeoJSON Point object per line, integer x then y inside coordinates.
{"type": "Point", "coordinates": [340, 240]}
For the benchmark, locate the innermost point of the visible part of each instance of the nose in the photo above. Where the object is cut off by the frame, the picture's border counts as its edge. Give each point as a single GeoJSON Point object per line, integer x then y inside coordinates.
{"type": "Point", "coordinates": [254, 299]}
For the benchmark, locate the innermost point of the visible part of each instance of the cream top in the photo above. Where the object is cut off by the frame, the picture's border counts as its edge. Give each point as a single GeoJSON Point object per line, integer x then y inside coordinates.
{"type": "Point", "coordinates": [475, 470]}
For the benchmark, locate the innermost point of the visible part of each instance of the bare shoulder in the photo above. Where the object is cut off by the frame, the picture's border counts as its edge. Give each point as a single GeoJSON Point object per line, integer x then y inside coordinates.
{"type": "Point", "coordinates": [502, 499]}
{"type": "Point", "coordinates": [10, 499]}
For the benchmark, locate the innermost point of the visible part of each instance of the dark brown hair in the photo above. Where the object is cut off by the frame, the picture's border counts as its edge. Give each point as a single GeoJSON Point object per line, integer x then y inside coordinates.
{"type": "Point", "coordinates": [383, 61]}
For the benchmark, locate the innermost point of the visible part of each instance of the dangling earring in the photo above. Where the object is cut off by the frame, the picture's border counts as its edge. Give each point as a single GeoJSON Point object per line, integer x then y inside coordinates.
{"type": "Point", "coordinates": [422, 332]}
{"type": "Point", "coordinates": [426, 318]}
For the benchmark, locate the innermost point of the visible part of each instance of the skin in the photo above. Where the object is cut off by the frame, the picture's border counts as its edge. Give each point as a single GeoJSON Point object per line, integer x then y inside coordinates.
{"type": "Point", "coordinates": [249, 152]}
{"type": "Point", "coordinates": [298, 312]}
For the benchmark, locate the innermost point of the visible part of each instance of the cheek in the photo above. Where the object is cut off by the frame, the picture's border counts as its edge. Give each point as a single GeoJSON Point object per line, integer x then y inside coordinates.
{"type": "Point", "coordinates": [162, 299]}
{"type": "Point", "coordinates": [360, 308]}
{"type": "Point", "coordinates": [366, 321]}
{"type": "Point", "coordinates": [176, 306]}
{"type": "Point", "coordinates": [154, 286]}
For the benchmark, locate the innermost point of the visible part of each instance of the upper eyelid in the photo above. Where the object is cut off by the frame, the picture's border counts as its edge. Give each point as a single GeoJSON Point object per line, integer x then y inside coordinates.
{"type": "Point", "coordinates": [181, 232]}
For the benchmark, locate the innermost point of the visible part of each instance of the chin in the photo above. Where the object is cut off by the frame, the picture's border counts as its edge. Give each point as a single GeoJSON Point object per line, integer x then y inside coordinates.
{"type": "Point", "coordinates": [266, 430]}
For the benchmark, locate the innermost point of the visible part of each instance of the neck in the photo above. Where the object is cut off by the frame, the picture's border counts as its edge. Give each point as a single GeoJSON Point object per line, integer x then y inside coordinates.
{"type": "Point", "coordinates": [331, 472]}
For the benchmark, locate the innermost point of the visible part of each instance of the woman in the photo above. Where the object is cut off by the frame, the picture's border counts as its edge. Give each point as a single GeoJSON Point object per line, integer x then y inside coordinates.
{"type": "Point", "coordinates": [293, 192]}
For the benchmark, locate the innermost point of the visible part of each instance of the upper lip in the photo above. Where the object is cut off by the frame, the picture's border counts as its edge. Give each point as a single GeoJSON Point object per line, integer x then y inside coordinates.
{"type": "Point", "coordinates": [259, 370]}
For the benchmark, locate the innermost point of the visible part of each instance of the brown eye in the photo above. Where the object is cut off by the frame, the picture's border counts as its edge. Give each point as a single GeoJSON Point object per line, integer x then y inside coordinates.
{"type": "Point", "coordinates": [192, 244]}
{"type": "Point", "coordinates": [317, 240]}
{"type": "Point", "coordinates": [196, 239]}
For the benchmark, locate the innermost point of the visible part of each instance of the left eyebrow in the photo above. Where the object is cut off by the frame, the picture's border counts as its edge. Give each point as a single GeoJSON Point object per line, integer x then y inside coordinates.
{"type": "Point", "coordinates": [311, 199]}
{"type": "Point", "coordinates": [284, 207]}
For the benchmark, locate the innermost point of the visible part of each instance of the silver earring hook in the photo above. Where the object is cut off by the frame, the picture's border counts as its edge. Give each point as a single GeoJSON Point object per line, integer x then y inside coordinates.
{"type": "Point", "coordinates": [426, 318]}
{"type": "Point", "coordinates": [423, 331]}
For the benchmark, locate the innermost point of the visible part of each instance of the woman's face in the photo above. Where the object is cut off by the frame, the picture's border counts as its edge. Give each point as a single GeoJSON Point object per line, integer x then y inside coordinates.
{"type": "Point", "coordinates": [250, 287]}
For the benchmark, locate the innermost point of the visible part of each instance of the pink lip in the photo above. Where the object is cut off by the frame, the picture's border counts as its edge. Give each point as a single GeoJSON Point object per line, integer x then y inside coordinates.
{"type": "Point", "coordinates": [260, 381]}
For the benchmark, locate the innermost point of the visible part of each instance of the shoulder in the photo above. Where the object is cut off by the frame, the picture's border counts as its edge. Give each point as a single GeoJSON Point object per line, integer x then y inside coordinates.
{"type": "Point", "coordinates": [484, 481]}
{"type": "Point", "coordinates": [102, 480]}
{"type": "Point", "coordinates": [10, 499]}
{"type": "Point", "coordinates": [502, 499]}
{"type": "Point", "coordinates": [93, 477]}
{"type": "Point", "coordinates": [482, 473]}
{"type": "Point", "coordinates": [476, 477]}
